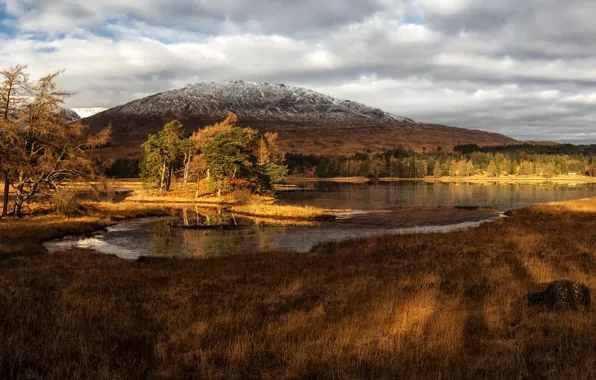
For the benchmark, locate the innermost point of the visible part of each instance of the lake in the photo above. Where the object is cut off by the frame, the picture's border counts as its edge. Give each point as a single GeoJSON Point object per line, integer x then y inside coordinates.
{"type": "Point", "coordinates": [393, 207]}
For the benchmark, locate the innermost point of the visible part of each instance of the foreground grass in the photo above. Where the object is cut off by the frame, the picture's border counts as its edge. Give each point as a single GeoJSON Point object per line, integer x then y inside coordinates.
{"type": "Point", "coordinates": [417, 306]}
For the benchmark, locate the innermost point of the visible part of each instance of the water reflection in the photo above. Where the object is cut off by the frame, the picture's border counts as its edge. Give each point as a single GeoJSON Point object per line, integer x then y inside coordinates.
{"type": "Point", "coordinates": [368, 196]}
{"type": "Point", "coordinates": [196, 232]}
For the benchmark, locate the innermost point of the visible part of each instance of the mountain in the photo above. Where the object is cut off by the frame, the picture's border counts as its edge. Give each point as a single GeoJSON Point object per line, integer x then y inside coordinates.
{"type": "Point", "coordinates": [87, 112]}
{"type": "Point", "coordinates": [69, 115]}
{"type": "Point", "coordinates": [307, 121]}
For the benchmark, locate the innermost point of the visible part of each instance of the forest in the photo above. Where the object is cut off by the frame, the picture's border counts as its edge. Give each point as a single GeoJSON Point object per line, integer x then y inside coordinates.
{"type": "Point", "coordinates": [465, 160]}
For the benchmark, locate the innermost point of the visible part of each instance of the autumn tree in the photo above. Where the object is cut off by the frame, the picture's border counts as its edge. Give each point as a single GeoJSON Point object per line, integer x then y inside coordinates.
{"type": "Point", "coordinates": [43, 150]}
{"type": "Point", "coordinates": [437, 171]}
{"type": "Point", "coordinates": [14, 88]}
{"type": "Point", "coordinates": [492, 170]}
{"type": "Point", "coordinates": [229, 154]}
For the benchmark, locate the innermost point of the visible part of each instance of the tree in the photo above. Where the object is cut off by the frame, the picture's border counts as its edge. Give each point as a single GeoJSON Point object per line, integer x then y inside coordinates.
{"type": "Point", "coordinates": [189, 150]}
{"type": "Point", "coordinates": [229, 155]}
{"type": "Point", "coordinates": [13, 89]}
{"type": "Point", "coordinates": [44, 150]}
{"type": "Point", "coordinates": [163, 152]}
{"type": "Point", "coordinates": [437, 171]}
{"type": "Point", "coordinates": [492, 170]}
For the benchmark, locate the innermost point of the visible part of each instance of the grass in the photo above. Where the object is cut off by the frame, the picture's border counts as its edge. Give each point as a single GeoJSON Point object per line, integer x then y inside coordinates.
{"type": "Point", "coordinates": [260, 209]}
{"type": "Point", "coordinates": [414, 306]}
{"type": "Point", "coordinates": [24, 236]}
{"type": "Point", "coordinates": [254, 205]}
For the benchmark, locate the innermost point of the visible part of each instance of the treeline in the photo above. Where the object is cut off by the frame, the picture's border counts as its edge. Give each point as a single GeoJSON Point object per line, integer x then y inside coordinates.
{"type": "Point", "coordinates": [400, 163]}
{"type": "Point", "coordinates": [552, 149]}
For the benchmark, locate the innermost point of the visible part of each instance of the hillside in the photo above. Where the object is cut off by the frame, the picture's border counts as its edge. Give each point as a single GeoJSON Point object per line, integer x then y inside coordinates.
{"type": "Point", "coordinates": [307, 121]}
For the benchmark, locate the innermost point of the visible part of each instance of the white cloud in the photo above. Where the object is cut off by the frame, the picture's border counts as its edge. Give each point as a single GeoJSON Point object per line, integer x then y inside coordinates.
{"type": "Point", "coordinates": [528, 71]}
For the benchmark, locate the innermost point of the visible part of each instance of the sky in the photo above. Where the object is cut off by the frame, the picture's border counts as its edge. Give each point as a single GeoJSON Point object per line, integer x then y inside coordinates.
{"type": "Point", "coordinates": [526, 69]}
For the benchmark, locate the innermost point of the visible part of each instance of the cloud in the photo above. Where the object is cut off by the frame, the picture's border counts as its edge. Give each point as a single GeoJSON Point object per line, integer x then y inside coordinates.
{"type": "Point", "coordinates": [524, 69]}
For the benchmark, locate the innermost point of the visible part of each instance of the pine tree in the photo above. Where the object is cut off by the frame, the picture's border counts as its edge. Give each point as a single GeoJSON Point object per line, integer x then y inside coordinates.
{"type": "Point", "coordinates": [228, 156]}
{"type": "Point", "coordinates": [163, 152]}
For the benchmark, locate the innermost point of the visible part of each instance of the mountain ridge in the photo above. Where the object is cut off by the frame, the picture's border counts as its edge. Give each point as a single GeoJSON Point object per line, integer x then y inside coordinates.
{"type": "Point", "coordinates": [306, 121]}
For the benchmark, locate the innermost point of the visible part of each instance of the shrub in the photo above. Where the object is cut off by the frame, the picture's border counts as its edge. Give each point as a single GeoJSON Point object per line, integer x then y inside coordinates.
{"type": "Point", "coordinates": [67, 203]}
{"type": "Point", "coordinates": [242, 195]}
{"type": "Point", "coordinates": [104, 191]}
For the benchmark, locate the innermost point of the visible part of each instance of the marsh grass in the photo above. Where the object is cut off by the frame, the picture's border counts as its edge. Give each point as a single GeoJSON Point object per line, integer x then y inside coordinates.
{"type": "Point", "coordinates": [448, 306]}
{"type": "Point", "coordinates": [262, 209]}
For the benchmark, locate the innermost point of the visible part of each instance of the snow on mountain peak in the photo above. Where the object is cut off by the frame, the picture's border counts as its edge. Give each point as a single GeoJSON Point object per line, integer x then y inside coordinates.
{"type": "Point", "coordinates": [253, 101]}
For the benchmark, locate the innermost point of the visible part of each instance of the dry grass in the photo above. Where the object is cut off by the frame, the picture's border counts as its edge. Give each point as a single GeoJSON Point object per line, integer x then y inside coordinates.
{"type": "Point", "coordinates": [187, 196]}
{"type": "Point", "coordinates": [299, 178]}
{"type": "Point", "coordinates": [24, 236]}
{"type": "Point", "coordinates": [242, 204]}
{"type": "Point", "coordinates": [261, 209]}
{"type": "Point", "coordinates": [395, 307]}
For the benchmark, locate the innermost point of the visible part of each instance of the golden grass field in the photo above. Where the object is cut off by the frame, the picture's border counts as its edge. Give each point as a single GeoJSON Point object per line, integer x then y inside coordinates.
{"type": "Point", "coordinates": [441, 306]}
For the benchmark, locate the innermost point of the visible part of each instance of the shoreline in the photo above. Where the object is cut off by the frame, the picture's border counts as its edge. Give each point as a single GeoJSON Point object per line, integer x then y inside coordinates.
{"type": "Point", "coordinates": [292, 180]}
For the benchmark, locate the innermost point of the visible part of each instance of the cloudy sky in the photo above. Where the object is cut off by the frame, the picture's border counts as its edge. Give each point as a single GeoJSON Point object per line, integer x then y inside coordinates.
{"type": "Point", "coordinates": [523, 68]}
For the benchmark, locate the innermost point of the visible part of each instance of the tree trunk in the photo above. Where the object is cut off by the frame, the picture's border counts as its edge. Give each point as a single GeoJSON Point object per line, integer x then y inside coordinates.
{"type": "Point", "coordinates": [163, 178]}
{"type": "Point", "coordinates": [198, 186]}
{"type": "Point", "coordinates": [18, 203]}
{"type": "Point", "coordinates": [6, 188]}
{"type": "Point", "coordinates": [169, 181]}
{"type": "Point", "coordinates": [187, 161]}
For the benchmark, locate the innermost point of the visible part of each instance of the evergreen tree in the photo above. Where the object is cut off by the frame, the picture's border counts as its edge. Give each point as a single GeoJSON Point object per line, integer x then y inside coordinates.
{"type": "Point", "coordinates": [228, 156]}
{"type": "Point", "coordinates": [163, 153]}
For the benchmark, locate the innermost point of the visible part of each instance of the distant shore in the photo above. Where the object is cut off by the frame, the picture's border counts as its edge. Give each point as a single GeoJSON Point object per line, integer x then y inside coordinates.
{"type": "Point", "coordinates": [568, 179]}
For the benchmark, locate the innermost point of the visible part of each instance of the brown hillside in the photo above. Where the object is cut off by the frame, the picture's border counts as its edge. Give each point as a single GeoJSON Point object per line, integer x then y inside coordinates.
{"type": "Point", "coordinates": [307, 121]}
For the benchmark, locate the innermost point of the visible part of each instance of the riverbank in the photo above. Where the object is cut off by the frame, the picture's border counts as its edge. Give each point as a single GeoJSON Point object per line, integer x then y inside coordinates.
{"type": "Point", "coordinates": [471, 179]}
{"type": "Point", "coordinates": [24, 236]}
{"type": "Point", "coordinates": [414, 306]}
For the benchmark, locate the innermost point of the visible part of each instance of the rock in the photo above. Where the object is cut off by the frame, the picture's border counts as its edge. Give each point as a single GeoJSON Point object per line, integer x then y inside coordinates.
{"type": "Point", "coordinates": [563, 295]}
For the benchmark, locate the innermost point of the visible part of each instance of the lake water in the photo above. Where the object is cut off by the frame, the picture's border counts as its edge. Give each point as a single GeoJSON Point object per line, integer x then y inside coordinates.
{"type": "Point", "coordinates": [398, 207]}
{"type": "Point", "coordinates": [362, 196]}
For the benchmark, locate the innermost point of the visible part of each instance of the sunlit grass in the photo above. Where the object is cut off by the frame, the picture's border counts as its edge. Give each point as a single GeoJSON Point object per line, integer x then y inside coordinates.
{"type": "Point", "coordinates": [282, 211]}
{"type": "Point", "coordinates": [438, 306]}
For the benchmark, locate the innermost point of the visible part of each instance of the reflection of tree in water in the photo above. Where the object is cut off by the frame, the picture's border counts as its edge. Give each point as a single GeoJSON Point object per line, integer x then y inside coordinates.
{"type": "Point", "coordinates": [164, 241]}
{"type": "Point", "coordinates": [201, 217]}
{"type": "Point", "coordinates": [211, 243]}
{"type": "Point", "coordinates": [219, 242]}
{"type": "Point", "coordinates": [331, 186]}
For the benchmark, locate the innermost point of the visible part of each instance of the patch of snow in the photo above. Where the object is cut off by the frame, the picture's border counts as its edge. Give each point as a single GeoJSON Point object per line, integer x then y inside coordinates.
{"type": "Point", "coordinates": [86, 112]}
